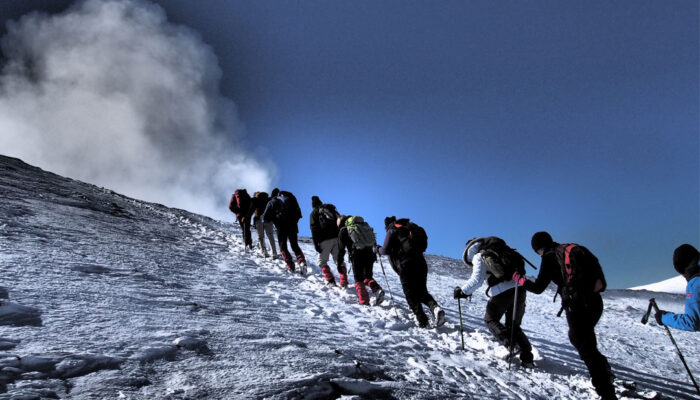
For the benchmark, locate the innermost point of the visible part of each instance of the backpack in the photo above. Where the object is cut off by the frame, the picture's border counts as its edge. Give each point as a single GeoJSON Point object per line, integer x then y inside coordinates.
{"type": "Point", "coordinates": [580, 270]}
{"type": "Point", "coordinates": [260, 200]}
{"type": "Point", "coordinates": [361, 234]}
{"type": "Point", "coordinates": [288, 206]}
{"type": "Point", "coordinates": [240, 202]}
{"type": "Point", "coordinates": [327, 217]}
{"type": "Point", "coordinates": [412, 238]}
{"type": "Point", "coordinates": [500, 260]}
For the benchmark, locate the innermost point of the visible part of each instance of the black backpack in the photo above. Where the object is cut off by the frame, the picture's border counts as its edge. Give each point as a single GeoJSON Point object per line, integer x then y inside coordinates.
{"type": "Point", "coordinates": [580, 270]}
{"type": "Point", "coordinates": [288, 207]}
{"type": "Point", "coordinates": [412, 238]}
{"type": "Point", "coordinates": [500, 260]}
{"type": "Point", "coordinates": [328, 217]}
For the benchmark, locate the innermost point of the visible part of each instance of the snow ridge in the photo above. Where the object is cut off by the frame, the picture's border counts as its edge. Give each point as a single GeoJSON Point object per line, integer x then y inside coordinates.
{"type": "Point", "coordinates": [140, 301]}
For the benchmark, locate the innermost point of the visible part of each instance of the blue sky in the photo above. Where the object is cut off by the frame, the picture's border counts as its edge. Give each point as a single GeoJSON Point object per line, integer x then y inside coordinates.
{"type": "Point", "coordinates": [474, 118]}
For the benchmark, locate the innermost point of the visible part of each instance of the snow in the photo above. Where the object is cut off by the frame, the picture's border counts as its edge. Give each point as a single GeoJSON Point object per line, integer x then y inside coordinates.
{"type": "Point", "coordinates": [140, 301]}
{"type": "Point", "coordinates": [676, 284]}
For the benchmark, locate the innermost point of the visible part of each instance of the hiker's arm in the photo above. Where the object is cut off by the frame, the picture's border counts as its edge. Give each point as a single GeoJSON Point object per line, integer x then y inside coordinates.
{"type": "Point", "coordinates": [690, 321]}
{"type": "Point", "coordinates": [477, 277]}
{"type": "Point", "coordinates": [386, 247]}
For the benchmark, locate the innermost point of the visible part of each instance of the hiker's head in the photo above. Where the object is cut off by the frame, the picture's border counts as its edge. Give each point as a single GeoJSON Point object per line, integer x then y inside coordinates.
{"type": "Point", "coordinates": [541, 241]}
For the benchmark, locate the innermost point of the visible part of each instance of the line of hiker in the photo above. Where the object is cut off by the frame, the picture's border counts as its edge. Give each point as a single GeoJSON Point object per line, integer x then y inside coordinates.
{"type": "Point", "coordinates": [333, 234]}
{"type": "Point", "coordinates": [575, 271]}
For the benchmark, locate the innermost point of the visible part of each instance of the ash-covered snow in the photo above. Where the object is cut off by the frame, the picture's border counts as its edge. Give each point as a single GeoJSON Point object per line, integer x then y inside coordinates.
{"type": "Point", "coordinates": [135, 300]}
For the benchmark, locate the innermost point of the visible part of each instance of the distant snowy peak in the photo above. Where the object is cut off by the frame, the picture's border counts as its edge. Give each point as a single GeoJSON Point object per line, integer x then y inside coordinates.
{"type": "Point", "coordinates": [676, 284]}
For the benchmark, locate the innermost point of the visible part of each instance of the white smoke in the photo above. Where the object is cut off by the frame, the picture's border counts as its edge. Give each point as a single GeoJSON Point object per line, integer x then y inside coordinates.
{"type": "Point", "coordinates": [111, 93]}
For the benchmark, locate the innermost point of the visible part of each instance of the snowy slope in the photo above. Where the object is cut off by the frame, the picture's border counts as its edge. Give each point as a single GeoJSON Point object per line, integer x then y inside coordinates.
{"type": "Point", "coordinates": [676, 284]}
{"type": "Point", "coordinates": [111, 297]}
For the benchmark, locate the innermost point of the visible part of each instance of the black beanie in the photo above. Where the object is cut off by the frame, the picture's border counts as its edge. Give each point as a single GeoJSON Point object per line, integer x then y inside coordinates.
{"type": "Point", "coordinates": [315, 201]}
{"type": "Point", "coordinates": [685, 256]}
{"type": "Point", "coordinates": [541, 240]}
{"type": "Point", "coordinates": [388, 221]}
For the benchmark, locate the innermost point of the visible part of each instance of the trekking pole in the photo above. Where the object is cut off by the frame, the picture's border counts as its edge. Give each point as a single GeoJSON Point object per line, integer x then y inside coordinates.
{"type": "Point", "coordinates": [461, 331]}
{"type": "Point", "coordinates": [512, 326]}
{"type": "Point", "coordinates": [645, 318]}
{"type": "Point", "coordinates": [388, 287]}
{"type": "Point", "coordinates": [526, 260]}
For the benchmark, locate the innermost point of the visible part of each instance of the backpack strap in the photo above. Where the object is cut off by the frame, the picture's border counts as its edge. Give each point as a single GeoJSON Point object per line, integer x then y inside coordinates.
{"type": "Point", "coordinates": [567, 262]}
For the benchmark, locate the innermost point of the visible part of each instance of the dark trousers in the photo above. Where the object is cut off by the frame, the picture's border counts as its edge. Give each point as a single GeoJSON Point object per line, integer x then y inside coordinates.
{"type": "Point", "coordinates": [413, 281]}
{"type": "Point", "coordinates": [502, 304]}
{"type": "Point", "coordinates": [289, 232]}
{"type": "Point", "coordinates": [362, 264]}
{"type": "Point", "coordinates": [582, 320]}
{"type": "Point", "coordinates": [245, 228]}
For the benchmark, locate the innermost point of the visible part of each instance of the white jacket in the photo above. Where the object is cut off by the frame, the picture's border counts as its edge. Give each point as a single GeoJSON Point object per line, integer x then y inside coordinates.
{"type": "Point", "coordinates": [479, 274]}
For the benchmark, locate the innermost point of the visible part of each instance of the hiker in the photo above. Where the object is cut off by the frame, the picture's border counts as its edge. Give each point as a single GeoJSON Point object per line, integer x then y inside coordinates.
{"type": "Point", "coordinates": [283, 210]}
{"type": "Point", "coordinates": [580, 280]}
{"type": "Point", "coordinates": [358, 237]}
{"type": "Point", "coordinates": [260, 200]}
{"type": "Point", "coordinates": [685, 261]}
{"type": "Point", "coordinates": [494, 262]}
{"type": "Point", "coordinates": [405, 243]}
{"type": "Point", "coordinates": [324, 233]}
{"type": "Point", "coordinates": [240, 205]}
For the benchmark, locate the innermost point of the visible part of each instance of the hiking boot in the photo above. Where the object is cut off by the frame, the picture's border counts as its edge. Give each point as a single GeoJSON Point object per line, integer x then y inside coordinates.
{"type": "Point", "coordinates": [379, 298]}
{"type": "Point", "coordinates": [302, 268]}
{"type": "Point", "coordinates": [528, 364]}
{"type": "Point", "coordinates": [439, 315]}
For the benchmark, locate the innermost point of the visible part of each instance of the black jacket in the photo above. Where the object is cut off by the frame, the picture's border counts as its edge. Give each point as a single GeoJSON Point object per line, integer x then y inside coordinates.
{"type": "Point", "coordinates": [550, 271]}
{"type": "Point", "coordinates": [319, 233]}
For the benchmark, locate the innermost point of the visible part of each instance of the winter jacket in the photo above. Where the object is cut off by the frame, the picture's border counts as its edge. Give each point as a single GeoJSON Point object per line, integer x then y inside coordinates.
{"type": "Point", "coordinates": [690, 320]}
{"type": "Point", "coordinates": [401, 262]}
{"type": "Point", "coordinates": [550, 271]}
{"type": "Point", "coordinates": [480, 273]}
{"type": "Point", "coordinates": [319, 233]}
{"type": "Point", "coordinates": [346, 242]}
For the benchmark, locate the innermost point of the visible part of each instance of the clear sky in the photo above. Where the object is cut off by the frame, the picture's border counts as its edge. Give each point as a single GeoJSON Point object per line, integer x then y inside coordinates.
{"type": "Point", "coordinates": [474, 117]}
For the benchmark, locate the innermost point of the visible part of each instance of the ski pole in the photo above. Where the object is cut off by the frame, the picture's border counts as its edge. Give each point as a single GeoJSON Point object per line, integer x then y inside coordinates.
{"type": "Point", "coordinates": [652, 303]}
{"type": "Point", "coordinates": [512, 326]}
{"type": "Point", "coordinates": [388, 287]}
{"type": "Point", "coordinates": [461, 331]}
{"type": "Point", "coordinates": [526, 260]}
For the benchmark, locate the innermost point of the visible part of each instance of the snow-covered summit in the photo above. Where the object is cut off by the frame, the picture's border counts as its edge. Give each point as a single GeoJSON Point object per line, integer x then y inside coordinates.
{"type": "Point", "coordinates": [135, 300]}
{"type": "Point", "coordinates": [676, 284]}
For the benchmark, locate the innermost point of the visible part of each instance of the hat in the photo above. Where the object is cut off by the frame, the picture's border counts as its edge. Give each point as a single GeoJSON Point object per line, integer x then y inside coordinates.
{"type": "Point", "coordinates": [315, 201]}
{"type": "Point", "coordinates": [685, 256]}
{"type": "Point", "coordinates": [541, 240]}
{"type": "Point", "coordinates": [388, 221]}
{"type": "Point", "coordinates": [275, 192]}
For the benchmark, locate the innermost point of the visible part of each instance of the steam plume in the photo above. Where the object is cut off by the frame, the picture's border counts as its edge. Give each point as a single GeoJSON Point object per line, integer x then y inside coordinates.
{"type": "Point", "coordinates": [111, 93]}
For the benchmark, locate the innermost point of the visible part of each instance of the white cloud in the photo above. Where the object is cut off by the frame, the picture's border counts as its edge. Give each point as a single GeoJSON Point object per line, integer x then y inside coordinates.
{"type": "Point", "coordinates": [111, 93]}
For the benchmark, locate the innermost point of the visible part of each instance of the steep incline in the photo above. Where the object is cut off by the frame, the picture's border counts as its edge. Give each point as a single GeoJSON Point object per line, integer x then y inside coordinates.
{"type": "Point", "coordinates": [142, 301]}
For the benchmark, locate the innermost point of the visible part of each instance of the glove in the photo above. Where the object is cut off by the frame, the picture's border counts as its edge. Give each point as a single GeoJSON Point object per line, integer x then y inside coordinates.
{"type": "Point", "coordinates": [459, 294]}
{"type": "Point", "coordinates": [317, 246]}
{"type": "Point", "coordinates": [520, 280]}
{"type": "Point", "coordinates": [658, 316]}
